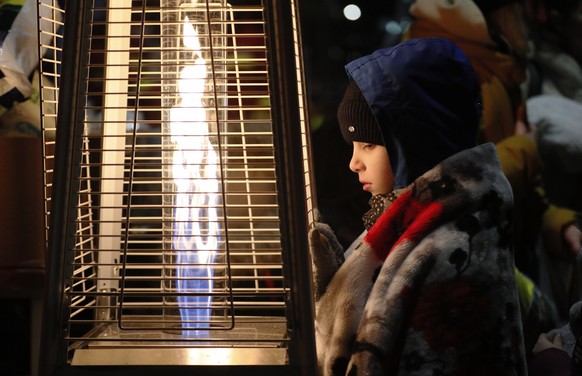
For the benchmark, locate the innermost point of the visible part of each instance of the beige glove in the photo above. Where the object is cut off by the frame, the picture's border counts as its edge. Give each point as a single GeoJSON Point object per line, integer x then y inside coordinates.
{"type": "Point", "coordinates": [326, 256]}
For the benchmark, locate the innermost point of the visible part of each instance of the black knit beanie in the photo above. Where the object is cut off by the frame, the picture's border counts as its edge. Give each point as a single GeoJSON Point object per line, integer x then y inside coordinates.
{"type": "Point", "coordinates": [487, 6]}
{"type": "Point", "coordinates": [355, 118]}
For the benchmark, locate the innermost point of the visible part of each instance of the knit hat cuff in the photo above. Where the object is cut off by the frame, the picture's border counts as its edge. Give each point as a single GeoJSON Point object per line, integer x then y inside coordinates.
{"type": "Point", "coordinates": [356, 120]}
{"type": "Point", "coordinates": [487, 6]}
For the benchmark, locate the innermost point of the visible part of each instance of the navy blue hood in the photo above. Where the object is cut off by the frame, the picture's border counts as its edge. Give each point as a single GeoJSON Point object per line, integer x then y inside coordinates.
{"type": "Point", "coordinates": [426, 100]}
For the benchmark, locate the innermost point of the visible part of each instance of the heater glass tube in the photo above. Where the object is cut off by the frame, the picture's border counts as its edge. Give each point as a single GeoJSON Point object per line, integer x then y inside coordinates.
{"type": "Point", "coordinates": [192, 255]}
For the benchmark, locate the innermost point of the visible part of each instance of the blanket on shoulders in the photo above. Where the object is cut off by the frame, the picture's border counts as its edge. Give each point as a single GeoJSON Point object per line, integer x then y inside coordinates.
{"type": "Point", "coordinates": [431, 288]}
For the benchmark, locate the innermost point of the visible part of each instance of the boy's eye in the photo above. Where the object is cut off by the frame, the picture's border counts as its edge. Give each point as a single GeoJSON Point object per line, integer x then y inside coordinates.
{"type": "Point", "coordinates": [368, 146]}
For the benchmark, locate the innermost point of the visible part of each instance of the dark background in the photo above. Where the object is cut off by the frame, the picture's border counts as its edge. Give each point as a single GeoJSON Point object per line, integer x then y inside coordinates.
{"type": "Point", "coordinates": [330, 41]}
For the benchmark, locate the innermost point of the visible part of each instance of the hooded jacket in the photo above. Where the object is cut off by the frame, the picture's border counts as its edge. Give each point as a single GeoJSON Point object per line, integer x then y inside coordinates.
{"type": "Point", "coordinates": [500, 74]}
{"type": "Point", "coordinates": [417, 91]}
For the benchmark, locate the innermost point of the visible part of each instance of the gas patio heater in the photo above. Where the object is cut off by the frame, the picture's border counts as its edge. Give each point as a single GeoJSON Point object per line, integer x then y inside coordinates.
{"type": "Point", "coordinates": [181, 192]}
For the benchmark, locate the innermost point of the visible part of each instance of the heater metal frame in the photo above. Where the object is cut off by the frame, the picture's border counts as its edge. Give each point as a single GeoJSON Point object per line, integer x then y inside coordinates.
{"type": "Point", "coordinates": [290, 156]}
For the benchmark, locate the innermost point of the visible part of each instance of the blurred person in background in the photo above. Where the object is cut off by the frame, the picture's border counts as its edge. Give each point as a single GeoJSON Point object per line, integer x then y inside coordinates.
{"type": "Point", "coordinates": [554, 108]}
{"type": "Point", "coordinates": [495, 35]}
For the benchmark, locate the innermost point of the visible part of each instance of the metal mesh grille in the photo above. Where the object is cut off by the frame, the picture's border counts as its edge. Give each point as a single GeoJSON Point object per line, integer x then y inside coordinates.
{"type": "Point", "coordinates": [50, 50]}
{"type": "Point", "coordinates": [177, 235]}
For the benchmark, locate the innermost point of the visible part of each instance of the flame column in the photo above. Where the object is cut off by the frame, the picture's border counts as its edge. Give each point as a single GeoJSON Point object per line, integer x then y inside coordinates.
{"type": "Point", "coordinates": [192, 186]}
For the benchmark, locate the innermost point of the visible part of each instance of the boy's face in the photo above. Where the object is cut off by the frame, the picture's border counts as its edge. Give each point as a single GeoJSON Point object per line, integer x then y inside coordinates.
{"type": "Point", "coordinates": [372, 164]}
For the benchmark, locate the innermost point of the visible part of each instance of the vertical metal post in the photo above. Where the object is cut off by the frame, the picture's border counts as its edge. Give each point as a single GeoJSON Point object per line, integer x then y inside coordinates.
{"type": "Point", "coordinates": [290, 158]}
{"type": "Point", "coordinates": [64, 196]}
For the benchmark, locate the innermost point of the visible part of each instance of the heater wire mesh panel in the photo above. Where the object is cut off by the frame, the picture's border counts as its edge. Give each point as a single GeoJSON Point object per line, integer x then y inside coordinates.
{"type": "Point", "coordinates": [50, 26]}
{"type": "Point", "coordinates": [175, 234]}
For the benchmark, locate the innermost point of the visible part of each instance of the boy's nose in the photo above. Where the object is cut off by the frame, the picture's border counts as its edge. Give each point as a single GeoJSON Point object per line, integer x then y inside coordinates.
{"type": "Point", "coordinates": [355, 164]}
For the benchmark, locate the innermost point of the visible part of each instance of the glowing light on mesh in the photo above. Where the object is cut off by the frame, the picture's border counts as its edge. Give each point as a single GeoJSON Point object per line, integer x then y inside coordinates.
{"type": "Point", "coordinates": [194, 170]}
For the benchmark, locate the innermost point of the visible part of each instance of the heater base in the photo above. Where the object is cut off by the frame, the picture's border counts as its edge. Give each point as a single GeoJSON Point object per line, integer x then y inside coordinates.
{"type": "Point", "coordinates": [215, 356]}
{"type": "Point", "coordinates": [251, 341]}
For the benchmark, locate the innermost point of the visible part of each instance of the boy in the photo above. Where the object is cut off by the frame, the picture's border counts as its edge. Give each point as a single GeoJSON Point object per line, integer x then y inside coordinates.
{"type": "Point", "coordinates": [430, 289]}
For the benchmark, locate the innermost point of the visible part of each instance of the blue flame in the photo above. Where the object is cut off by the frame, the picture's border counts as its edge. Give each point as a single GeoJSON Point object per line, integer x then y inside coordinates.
{"type": "Point", "coordinates": [194, 275]}
{"type": "Point", "coordinates": [195, 174]}
{"type": "Point", "coordinates": [195, 242]}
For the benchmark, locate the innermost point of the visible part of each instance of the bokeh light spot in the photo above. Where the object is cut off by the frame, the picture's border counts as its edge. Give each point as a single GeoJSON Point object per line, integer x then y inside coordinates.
{"type": "Point", "coordinates": [352, 12]}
